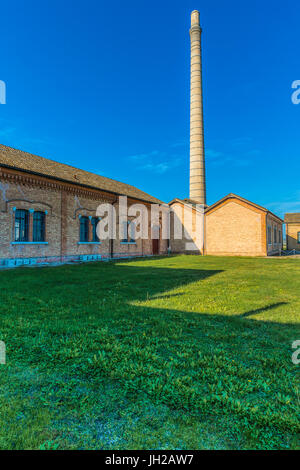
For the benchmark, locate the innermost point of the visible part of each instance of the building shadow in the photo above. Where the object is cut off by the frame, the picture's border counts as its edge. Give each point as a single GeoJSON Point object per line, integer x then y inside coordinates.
{"type": "Point", "coordinates": [129, 283]}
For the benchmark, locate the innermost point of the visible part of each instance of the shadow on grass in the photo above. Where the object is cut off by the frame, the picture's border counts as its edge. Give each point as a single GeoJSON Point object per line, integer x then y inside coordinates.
{"type": "Point", "coordinates": [94, 334]}
{"type": "Point", "coordinates": [83, 284]}
{"type": "Point", "coordinates": [263, 309]}
{"type": "Point", "coordinates": [128, 281]}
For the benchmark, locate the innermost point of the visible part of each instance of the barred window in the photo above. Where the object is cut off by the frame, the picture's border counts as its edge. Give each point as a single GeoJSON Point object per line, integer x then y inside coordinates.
{"type": "Point", "coordinates": [21, 225]}
{"type": "Point", "coordinates": [275, 234]}
{"type": "Point", "coordinates": [38, 227]}
{"type": "Point", "coordinates": [84, 229]}
{"type": "Point", "coordinates": [95, 221]}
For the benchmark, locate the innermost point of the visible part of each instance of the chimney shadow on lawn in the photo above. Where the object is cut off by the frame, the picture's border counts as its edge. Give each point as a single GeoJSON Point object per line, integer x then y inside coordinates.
{"type": "Point", "coordinates": [262, 309]}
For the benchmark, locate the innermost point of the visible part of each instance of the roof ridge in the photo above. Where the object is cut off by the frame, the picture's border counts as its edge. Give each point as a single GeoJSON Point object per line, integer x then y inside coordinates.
{"type": "Point", "coordinates": [66, 164]}
{"type": "Point", "coordinates": [52, 168]}
{"type": "Point", "coordinates": [232, 195]}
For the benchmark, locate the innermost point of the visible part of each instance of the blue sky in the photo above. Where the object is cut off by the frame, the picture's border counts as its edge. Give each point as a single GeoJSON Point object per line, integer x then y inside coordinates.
{"type": "Point", "coordinates": [104, 86]}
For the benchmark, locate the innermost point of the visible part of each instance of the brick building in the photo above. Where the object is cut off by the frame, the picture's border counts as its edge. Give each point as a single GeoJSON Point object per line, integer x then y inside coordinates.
{"type": "Point", "coordinates": [48, 213]}
{"type": "Point", "coordinates": [292, 231]}
{"type": "Point", "coordinates": [233, 226]}
{"type": "Point", "coordinates": [236, 226]}
{"type": "Point", "coordinates": [48, 210]}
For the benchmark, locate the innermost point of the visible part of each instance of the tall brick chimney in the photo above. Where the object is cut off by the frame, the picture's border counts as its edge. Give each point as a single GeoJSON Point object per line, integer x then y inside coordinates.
{"type": "Point", "coordinates": [197, 157]}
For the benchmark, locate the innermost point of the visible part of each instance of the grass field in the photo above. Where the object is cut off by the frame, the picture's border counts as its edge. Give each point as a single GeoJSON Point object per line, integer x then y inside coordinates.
{"type": "Point", "coordinates": [169, 353]}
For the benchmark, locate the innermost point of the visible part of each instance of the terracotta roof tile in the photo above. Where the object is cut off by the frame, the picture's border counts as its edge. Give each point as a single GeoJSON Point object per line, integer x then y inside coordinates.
{"type": "Point", "coordinates": [20, 160]}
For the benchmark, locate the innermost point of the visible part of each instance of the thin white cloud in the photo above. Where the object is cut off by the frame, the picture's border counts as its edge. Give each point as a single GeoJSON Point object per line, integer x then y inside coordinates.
{"type": "Point", "coordinates": [7, 131]}
{"type": "Point", "coordinates": [181, 143]}
{"type": "Point", "coordinates": [161, 167]}
{"type": "Point", "coordinates": [253, 153]}
{"type": "Point", "coordinates": [289, 205]}
{"type": "Point", "coordinates": [240, 141]}
{"type": "Point", "coordinates": [217, 158]}
{"type": "Point", "coordinates": [211, 153]}
{"type": "Point", "coordinates": [143, 156]}
{"type": "Point", "coordinates": [37, 141]}
{"type": "Point", "coordinates": [156, 161]}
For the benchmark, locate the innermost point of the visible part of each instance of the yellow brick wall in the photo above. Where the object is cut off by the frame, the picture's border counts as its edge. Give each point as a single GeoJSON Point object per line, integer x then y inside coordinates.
{"type": "Point", "coordinates": [273, 247]}
{"type": "Point", "coordinates": [236, 230]}
{"type": "Point", "coordinates": [190, 221]}
{"type": "Point", "coordinates": [292, 236]}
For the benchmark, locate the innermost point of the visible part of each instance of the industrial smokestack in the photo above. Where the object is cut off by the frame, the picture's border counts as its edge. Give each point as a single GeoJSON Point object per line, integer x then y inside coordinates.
{"type": "Point", "coordinates": [197, 157]}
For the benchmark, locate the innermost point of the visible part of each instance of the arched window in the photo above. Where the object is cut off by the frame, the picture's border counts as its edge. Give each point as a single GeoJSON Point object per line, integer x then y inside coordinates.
{"type": "Point", "coordinates": [131, 232]}
{"type": "Point", "coordinates": [84, 229]}
{"type": "Point", "coordinates": [21, 225]}
{"type": "Point", "coordinates": [128, 232]}
{"type": "Point", "coordinates": [95, 221]}
{"type": "Point", "coordinates": [38, 234]}
{"type": "Point", "coordinates": [298, 237]}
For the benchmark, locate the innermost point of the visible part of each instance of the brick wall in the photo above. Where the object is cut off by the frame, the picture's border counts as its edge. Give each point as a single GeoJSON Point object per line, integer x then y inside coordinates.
{"type": "Point", "coordinates": [190, 225]}
{"type": "Point", "coordinates": [27, 197]}
{"type": "Point", "coordinates": [62, 222]}
{"type": "Point", "coordinates": [292, 231]}
{"type": "Point", "coordinates": [233, 229]}
{"type": "Point", "coordinates": [274, 245]}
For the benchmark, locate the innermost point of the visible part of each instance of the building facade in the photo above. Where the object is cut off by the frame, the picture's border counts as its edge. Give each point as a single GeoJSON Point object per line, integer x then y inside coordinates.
{"type": "Point", "coordinates": [48, 213]}
{"type": "Point", "coordinates": [48, 210]}
{"type": "Point", "coordinates": [292, 231]}
{"type": "Point", "coordinates": [232, 226]}
{"type": "Point", "coordinates": [235, 226]}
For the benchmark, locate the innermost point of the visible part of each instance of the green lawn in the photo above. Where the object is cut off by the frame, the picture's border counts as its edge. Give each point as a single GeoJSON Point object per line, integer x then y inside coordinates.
{"type": "Point", "coordinates": [169, 353]}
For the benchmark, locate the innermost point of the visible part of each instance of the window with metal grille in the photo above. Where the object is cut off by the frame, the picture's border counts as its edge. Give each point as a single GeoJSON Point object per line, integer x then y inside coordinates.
{"type": "Point", "coordinates": [21, 225]}
{"type": "Point", "coordinates": [84, 229]}
{"type": "Point", "coordinates": [38, 234]}
{"type": "Point", "coordinates": [95, 221]}
{"type": "Point", "coordinates": [275, 235]}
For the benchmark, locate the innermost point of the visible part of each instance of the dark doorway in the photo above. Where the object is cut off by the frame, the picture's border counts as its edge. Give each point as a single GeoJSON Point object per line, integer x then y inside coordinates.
{"type": "Point", "coordinates": [155, 247]}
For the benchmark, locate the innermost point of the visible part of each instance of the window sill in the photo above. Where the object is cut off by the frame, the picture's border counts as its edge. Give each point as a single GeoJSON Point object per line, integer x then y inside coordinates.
{"type": "Point", "coordinates": [89, 243]}
{"type": "Point", "coordinates": [127, 243]}
{"type": "Point", "coordinates": [29, 243]}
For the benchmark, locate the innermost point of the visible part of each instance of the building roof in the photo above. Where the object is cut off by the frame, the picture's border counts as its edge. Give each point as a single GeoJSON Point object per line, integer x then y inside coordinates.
{"type": "Point", "coordinates": [235, 196]}
{"type": "Point", "coordinates": [186, 202]}
{"type": "Point", "coordinates": [292, 218]}
{"type": "Point", "coordinates": [27, 162]}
